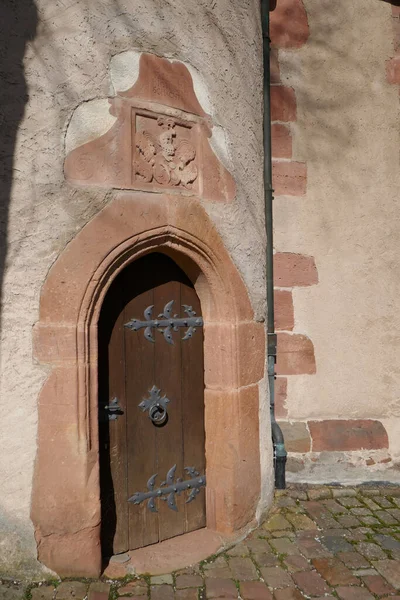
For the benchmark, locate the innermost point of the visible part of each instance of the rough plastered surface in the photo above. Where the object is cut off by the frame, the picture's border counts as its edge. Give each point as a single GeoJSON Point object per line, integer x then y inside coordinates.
{"type": "Point", "coordinates": [67, 63]}
{"type": "Point", "coordinates": [347, 133]}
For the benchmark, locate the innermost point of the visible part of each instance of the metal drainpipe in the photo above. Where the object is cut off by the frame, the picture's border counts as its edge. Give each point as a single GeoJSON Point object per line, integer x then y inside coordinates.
{"type": "Point", "coordinates": [280, 453]}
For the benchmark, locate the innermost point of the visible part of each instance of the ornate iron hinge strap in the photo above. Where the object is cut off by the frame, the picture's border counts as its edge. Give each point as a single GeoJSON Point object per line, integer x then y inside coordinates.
{"type": "Point", "coordinates": [169, 488]}
{"type": "Point", "coordinates": [156, 406]}
{"type": "Point", "coordinates": [166, 323]}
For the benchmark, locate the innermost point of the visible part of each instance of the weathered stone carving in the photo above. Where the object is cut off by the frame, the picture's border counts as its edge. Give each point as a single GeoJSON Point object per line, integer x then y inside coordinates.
{"type": "Point", "coordinates": [159, 141]}
{"type": "Point", "coordinates": [167, 157]}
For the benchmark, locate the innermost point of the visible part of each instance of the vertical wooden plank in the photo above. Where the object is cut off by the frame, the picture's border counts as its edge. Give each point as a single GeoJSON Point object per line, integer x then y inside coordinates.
{"type": "Point", "coordinates": [169, 437]}
{"type": "Point", "coordinates": [141, 435]}
{"type": "Point", "coordinates": [193, 410]}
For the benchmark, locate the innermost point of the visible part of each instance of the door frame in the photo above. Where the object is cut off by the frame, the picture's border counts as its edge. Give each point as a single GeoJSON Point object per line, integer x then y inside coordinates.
{"type": "Point", "coordinates": [66, 489]}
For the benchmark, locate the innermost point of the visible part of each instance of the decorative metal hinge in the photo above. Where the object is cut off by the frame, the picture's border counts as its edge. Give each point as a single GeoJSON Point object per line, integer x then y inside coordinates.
{"type": "Point", "coordinates": [113, 409]}
{"type": "Point", "coordinates": [171, 487]}
{"type": "Point", "coordinates": [166, 323]}
{"type": "Point", "coordinates": [156, 405]}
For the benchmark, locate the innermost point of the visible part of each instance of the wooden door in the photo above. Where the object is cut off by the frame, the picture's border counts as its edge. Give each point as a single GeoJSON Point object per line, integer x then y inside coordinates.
{"type": "Point", "coordinates": [131, 369]}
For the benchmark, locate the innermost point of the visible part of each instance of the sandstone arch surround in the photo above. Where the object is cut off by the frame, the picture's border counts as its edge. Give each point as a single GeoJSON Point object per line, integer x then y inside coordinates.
{"type": "Point", "coordinates": [66, 488]}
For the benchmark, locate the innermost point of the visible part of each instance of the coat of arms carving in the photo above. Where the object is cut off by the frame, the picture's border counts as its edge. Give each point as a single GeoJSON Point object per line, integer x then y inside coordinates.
{"type": "Point", "coordinates": [159, 141]}
{"type": "Point", "coordinates": [165, 155]}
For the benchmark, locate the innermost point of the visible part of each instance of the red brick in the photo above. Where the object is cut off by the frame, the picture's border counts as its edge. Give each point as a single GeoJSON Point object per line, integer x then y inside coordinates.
{"type": "Point", "coordinates": [289, 178]}
{"type": "Point", "coordinates": [280, 397]}
{"type": "Point", "coordinates": [284, 313]}
{"type": "Point", "coordinates": [311, 583]}
{"type": "Point", "coordinates": [274, 66]}
{"type": "Point", "coordinates": [295, 355]}
{"type": "Point", "coordinates": [341, 435]}
{"type": "Point", "coordinates": [281, 141]}
{"type": "Point", "coordinates": [393, 70]}
{"type": "Point", "coordinates": [254, 590]}
{"type": "Point", "coordinates": [395, 11]}
{"type": "Point", "coordinates": [283, 103]}
{"type": "Point", "coordinates": [297, 438]}
{"type": "Point", "coordinates": [289, 25]}
{"type": "Point", "coordinates": [334, 571]}
{"type": "Point", "coordinates": [294, 270]}
{"type": "Point", "coordinates": [377, 585]}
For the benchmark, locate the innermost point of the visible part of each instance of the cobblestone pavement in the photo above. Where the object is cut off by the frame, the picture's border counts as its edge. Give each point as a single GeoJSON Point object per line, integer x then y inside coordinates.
{"type": "Point", "coordinates": [331, 542]}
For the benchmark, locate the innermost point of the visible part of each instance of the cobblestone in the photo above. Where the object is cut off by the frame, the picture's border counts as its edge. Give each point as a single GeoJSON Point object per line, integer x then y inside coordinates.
{"type": "Point", "coordinates": [44, 592]}
{"type": "Point", "coordinates": [321, 542]}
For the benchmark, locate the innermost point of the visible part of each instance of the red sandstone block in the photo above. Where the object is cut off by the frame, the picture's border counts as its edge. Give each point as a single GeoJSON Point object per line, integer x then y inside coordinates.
{"type": "Point", "coordinates": [395, 11]}
{"type": "Point", "coordinates": [281, 141]}
{"type": "Point", "coordinates": [393, 70]}
{"type": "Point", "coordinates": [294, 270]}
{"type": "Point", "coordinates": [296, 435]}
{"type": "Point", "coordinates": [295, 355]}
{"type": "Point", "coordinates": [341, 435]}
{"type": "Point", "coordinates": [283, 103]}
{"type": "Point", "coordinates": [289, 178]}
{"type": "Point", "coordinates": [275, 71]}
{"type": "Point", "coordinates": [284, 312]}
{"type": "Point", "coordinates": [280, 397]}
{"type": "Point", "coordinates": [289, 25]}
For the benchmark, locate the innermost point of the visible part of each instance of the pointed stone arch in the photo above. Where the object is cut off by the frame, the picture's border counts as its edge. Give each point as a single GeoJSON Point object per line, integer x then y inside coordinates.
{"type": "Point", "coordinates": [66, 489]}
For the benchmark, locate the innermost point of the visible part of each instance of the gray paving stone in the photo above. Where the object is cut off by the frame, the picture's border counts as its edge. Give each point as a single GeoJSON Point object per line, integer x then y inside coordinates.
{"type": "Point", "coordinates": [387, 542]}
{"type": "Point", "coordinates": [43, 592]}
{"type": "Point", "coordinates": [386, 517]}
{"type": "Point", "coordinates": [243, 569]}
{"type": "Point", "coordinates": [11, 592]}
{"type": "Point", "coordinates": [71, 590]}
{"type": "Point", "coordinates": [349, 502]}
{"type": "Point", "coordinates": [284, 546]}
{"type": "Point", "coordinates": [336, 544]}
{"type": "Point", "coordinates": [370, 551]}
{"type": "Point", "coordinates": [161, 579]}
{"type": "Point", "coordinates": [390, 570]}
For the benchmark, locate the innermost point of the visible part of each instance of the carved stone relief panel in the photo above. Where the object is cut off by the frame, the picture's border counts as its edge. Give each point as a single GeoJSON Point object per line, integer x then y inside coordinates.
{"type": "Point", "coordinates": [165, 152]}
{"type": "Point", "coordinates": [158, 143]}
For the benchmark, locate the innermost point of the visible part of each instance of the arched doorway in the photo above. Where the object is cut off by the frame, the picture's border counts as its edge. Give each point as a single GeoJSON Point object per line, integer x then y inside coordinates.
{"type": "Point", "coordinates": [66, 498]}
{"type": "Point", "coordinates": [151, 406]}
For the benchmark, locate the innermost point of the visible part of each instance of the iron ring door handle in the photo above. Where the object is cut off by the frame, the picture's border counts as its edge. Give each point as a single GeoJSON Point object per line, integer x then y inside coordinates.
{"type": "Point", "coordinates": [158, 415]}
{"type": "Point", "coordinates": [156, 405]}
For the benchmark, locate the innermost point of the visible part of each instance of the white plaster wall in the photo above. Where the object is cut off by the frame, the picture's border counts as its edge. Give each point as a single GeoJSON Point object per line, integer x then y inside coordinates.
{"type": "Point", "coordinates": [348, 133]}
{"type": "Point", "coordinates": [66, 64]}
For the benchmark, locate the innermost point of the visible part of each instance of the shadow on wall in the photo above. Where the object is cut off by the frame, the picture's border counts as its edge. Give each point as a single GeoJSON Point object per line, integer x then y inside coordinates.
{"type": "Point", "coordinates": [18, 22]}
{"type": "Point", "coordinates": [17, 549]}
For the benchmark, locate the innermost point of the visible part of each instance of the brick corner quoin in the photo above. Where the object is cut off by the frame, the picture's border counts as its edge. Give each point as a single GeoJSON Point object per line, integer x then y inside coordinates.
{"type": "Point", "coordinates": [295, 355]}
{"type": "Point", "coordinates": [294, 270]}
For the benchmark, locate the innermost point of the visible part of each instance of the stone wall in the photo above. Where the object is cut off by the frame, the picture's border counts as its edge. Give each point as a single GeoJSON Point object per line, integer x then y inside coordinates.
{"type": "Point", "coordinates": [58, 58]}
{"type": "Point", "coordinates": [336, 168]}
